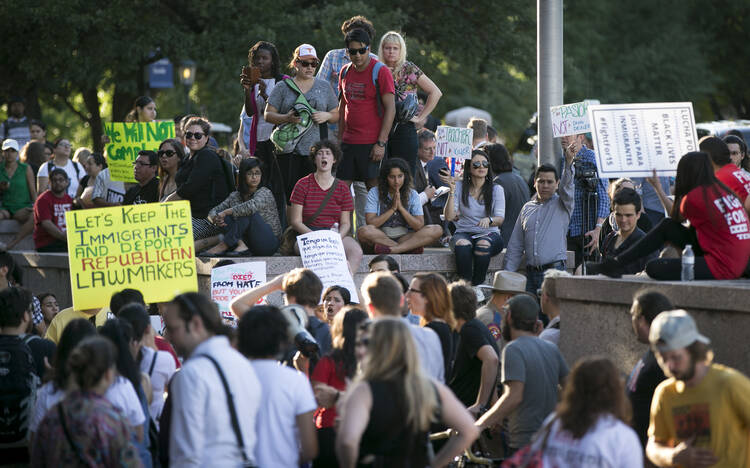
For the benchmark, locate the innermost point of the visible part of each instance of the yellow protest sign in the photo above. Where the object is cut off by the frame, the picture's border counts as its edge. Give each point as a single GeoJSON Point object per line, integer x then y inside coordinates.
{"type": "Point", "coordinates": [146, 247]}
{"type": "Point", "coordinates": [126, 139]}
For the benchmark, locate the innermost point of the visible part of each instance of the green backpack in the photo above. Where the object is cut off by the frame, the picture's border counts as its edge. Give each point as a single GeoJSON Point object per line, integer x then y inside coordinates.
{"type": "Point", "coordinates": [286, 136]}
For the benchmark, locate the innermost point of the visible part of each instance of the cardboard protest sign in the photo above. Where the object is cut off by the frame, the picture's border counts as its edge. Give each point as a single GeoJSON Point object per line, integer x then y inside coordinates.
{"type": "Point", "coordinates": [126, 139]}
{"type": "Point", "coordinates": [630, 140]}
{"type": "Point", "coordinates": [323, 253]}
{"type": "Point", "coordinates": [453, 142]}
{"type": "Point", "coordinates": [570, 119]}
{"type": "Point", "coordinates": [230, 281]}
{"type": "Point", "coordinates": [146, 247]}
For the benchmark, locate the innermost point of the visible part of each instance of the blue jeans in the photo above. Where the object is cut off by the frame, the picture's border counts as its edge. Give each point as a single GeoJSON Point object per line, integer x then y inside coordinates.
{"type": "Point", "coordinates": [534, 278]}
{"type": "Point", "coordinates": [473, 261]}
{"type": "Point", "coordinates": [257, 234]}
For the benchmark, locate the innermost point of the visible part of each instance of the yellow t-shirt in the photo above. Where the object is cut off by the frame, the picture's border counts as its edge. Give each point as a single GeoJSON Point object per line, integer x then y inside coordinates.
{"type": "Point", "coordinates": [716, 411]}
{"type": "Point", "coordinates": [64, 317]}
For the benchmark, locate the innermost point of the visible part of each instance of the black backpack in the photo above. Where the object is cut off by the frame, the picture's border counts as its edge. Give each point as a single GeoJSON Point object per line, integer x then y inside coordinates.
{"type": "Point", "coordinates": [18, 385]}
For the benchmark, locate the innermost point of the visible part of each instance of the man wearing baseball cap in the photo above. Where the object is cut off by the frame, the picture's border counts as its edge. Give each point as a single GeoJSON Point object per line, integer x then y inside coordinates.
{"type": "Point", "coordinates": [700, 415]}
{"type": "Point", "coordinates": [532, 369]}
{"type": "Point", "coordinates": [505, 285]}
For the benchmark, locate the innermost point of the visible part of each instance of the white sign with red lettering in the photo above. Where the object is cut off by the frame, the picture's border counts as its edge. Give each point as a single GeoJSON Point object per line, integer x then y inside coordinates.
{"type": "Point", "coordinates": [230, 281]}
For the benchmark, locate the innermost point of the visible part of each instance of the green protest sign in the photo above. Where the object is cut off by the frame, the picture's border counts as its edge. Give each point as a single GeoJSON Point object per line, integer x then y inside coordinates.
{"type": "Point", "coordinates": [126, 139]}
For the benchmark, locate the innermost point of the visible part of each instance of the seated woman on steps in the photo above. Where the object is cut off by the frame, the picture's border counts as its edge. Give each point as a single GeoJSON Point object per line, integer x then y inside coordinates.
{"type": "Point", "coordinates": [248, 218]}
{"type": "Point", "coordinates": [395, 221]}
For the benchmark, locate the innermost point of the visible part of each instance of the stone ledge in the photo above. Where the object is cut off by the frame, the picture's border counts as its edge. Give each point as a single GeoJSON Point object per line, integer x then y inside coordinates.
{"type": "Point", "coordinates": [595, 317]}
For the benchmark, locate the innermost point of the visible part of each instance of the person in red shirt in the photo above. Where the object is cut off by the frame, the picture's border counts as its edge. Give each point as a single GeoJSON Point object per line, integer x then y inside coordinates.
{"type": "Point", "coordinates": [365, 114]}
{"type": "Point", "coordinates": [331, 377]}
{"type": "Point", "coordinates": [49, 214]}
{"type": "Point", "coordinates": [310, 191]}
{"type": "Point", "coordinates": [732, 176]}
{"type": "Point", "coordinates": [719, 229]}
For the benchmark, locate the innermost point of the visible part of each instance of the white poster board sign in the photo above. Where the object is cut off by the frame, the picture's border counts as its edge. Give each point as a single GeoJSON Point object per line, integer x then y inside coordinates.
{"type": "Point", "coordinates": [453, 142]}
{"type": "Point", "coordinates": [323, 253]}
{"type": "Point", "coordinates": [570, 119]}
{"type": "Point", "coordinates": [230, 281]}
{"type": "Point", "coordinates": [631, 140]}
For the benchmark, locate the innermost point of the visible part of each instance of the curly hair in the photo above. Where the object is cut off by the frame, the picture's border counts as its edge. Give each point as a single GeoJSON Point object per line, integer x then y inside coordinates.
{"type": "Point", "coordinates": [485, 196]}
{"type": "Point", "coordinates": [270, 48]}
{"type": "Point", "coordinates": [384, 188]}
{"type": "Point", "coordinates": [358, 22]}
{"type": "Point", "coordinates": [593, 388]}
{"type": "Point", "coordinates": [331, 145]}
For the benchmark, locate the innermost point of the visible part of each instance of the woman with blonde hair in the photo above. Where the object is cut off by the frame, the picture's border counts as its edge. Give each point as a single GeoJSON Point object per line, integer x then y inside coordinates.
{"type": "Point", "coordinates": [428, 297]}
{"type": "Point", "coordinates": [387, 413]}
{"type": "Point", "coordinates": [409, 79]}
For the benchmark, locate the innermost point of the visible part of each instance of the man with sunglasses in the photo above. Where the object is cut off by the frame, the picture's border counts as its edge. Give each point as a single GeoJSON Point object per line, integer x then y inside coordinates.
{"type": "Point", "coordinates": [365, 112]}
{"type": "Point", "coordinates": [144, 170]}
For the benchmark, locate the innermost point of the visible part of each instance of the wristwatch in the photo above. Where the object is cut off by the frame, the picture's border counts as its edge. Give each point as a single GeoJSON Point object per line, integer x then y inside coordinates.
{"type": "Point", "coordinates": [380, 143]}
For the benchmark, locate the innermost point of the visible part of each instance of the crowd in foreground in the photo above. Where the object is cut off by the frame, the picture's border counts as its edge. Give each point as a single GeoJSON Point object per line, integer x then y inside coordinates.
{"type": "Point", "coordinates": [339, 384]}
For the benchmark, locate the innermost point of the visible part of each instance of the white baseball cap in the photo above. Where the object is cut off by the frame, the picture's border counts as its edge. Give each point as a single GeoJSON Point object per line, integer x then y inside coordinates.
{"type": "Point", "coordinates": [10, 143]}
{"type": "Point", "coordinates": [306, 51]}
{"type": "Point", "coordinates": [674, 329]}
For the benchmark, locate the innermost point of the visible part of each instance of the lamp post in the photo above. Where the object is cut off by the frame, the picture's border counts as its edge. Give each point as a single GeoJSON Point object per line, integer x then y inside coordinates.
{"type": "Point", "coordinates": [187, 77]}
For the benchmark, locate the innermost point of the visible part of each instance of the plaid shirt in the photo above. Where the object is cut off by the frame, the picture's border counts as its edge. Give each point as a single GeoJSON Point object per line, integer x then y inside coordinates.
{"type": "Point", "coordinates": [602, 208]}
{"type": "Point", "coordinates": [36, 315]}
{"type": "Point", "coordinates": [331, 66]}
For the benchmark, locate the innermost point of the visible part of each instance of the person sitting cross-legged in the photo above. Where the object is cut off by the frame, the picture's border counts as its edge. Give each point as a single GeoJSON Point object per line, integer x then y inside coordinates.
{"type": "Point", "coordinates": [395, 224]}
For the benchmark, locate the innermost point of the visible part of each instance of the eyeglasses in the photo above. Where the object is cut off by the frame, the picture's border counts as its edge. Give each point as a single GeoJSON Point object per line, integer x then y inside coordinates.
{"type": "Point", "coordinates": [196, 135]}
{"type": "Point", "coordinates": [478, 164]}
{"type": "Point", "coordinates": [312, 64]}
{"type": "Point", "coordinates": [414, 290]}
{"type": "Point", "coordinates": [360, 51]}
{"type": "Point", "coordinates": [141, 163]}
{"type": "Point", "coordinates": [167, 153]}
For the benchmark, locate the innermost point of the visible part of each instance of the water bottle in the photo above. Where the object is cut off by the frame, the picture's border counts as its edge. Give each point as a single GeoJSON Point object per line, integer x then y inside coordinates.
{"type": "Point", "coordinates": [688, 264]}
{"type": "Point", "coordinates": [335, 227]}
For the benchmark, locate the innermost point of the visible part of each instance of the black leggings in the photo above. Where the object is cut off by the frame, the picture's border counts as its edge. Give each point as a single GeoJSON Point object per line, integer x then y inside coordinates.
{"type": "Point", "coordinates": [669, 269]}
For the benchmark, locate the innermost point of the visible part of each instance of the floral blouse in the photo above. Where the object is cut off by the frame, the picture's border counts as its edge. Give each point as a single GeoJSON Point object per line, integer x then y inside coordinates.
{"type": "Point", "coordinates": [406, 80]}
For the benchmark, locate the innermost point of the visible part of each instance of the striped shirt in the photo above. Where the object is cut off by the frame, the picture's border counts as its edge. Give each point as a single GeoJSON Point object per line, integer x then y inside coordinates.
{"type": "Point", "coordinates": [308, 193]}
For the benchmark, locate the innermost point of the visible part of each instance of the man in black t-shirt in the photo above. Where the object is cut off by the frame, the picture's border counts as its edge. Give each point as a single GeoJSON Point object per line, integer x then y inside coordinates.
{"type": "Point", "coordinates": [144, 169]}
{"type": "Point", "coordinates": [476, 364]}
{"type": "Point", "coordinates": [646, 375]}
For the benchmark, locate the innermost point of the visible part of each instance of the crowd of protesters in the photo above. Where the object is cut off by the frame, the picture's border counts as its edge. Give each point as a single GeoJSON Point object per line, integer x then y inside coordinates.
{"type": "Point", "coordinates": [365, 384]}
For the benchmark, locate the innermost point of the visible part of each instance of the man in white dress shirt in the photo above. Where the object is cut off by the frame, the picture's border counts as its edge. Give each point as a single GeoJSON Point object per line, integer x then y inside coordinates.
{"type": "Point", "coordinates": [202, 430]}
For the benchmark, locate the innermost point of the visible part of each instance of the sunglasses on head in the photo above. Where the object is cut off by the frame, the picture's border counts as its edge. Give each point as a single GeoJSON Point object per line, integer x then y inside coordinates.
{"type": "Point", "coordinates": [312, 64]}
{"type": "Point", "coordinates": [360, 51]}
{"type": "Point", "coordinates": [196, 135]}
{"type": "Point", "coordinates": [478, 164]}
{"type": "Point", "coordinates": [167, 153]}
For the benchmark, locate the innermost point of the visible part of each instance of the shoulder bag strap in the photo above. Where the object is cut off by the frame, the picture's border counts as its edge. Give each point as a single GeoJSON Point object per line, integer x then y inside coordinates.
{"type": "Point", "coordinates": [153, 362]}
{"type": "Point", "coordinates": [324, 202]}
{"type": "Point", "coordinates": [232, 411]}
{"type": "Point", "coordinates": [76, 447]}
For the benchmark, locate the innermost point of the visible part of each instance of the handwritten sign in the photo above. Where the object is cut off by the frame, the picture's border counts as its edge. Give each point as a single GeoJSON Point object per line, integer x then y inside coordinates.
{"type": "Point", "coordinates": [453, 142]}
{"type": "Point", "coordinates": [126, 139]}
{"type": "Point", "coordinates": [146, 247]}
{"type": "Point", "coordinates": [323, 253]}
{"type": "Point", "coordinates": [570, 119]}
{"type": "Point", "coordinates": [230, 281]}
{"type": "Point", "coordinates": [630, 140]}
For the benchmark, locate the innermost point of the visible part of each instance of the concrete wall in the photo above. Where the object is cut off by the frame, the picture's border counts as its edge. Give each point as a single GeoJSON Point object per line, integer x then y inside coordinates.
{"type": "Point", "coordinates": [595, 317]}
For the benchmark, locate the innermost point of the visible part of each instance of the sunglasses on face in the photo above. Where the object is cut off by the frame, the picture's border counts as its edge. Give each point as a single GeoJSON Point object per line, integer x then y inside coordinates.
{"type": "Point", "coordinates": [312, 64]}
{"type": "Point", "coordinates": [167, 153]}
{"type": "Point", "coordinates": [360, 51]}
{"type": "Point", "coordinates": [478, 164]}
{"type": "Point", "coordinates": [196, 135]}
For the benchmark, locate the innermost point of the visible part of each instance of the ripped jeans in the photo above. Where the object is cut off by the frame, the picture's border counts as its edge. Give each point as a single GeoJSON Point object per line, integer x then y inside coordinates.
{"type": "Point", "coordinates": [473, 260]}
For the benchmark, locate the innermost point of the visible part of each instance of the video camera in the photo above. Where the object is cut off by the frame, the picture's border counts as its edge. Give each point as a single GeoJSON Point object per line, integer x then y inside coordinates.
{"type": "Point", "coordinates": [586, 174]}
{"type": "Point", "coordinates": [296, 318]}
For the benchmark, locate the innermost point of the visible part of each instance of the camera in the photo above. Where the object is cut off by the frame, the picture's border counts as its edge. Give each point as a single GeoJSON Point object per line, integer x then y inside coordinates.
{"type": "Point", "coordinates": [296, 318]}
{"type": "Point", "coordinates": [586, 174]}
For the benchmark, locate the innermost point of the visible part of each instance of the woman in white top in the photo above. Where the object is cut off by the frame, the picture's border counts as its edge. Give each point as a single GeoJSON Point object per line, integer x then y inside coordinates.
{"type": "Point", "coordinates": [61, 159]}
{"type": "Point", "coordinates": [590, 427]}
{"type": "Point", "coordinates": [477, 206]}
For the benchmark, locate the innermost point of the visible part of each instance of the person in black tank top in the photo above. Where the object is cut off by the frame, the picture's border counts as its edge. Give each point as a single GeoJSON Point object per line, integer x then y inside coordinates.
{"type": "Point", "coordinates": [387, 413]}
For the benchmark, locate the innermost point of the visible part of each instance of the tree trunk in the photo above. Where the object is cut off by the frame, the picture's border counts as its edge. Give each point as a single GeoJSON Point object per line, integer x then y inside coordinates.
{"type": "Point", "coordinates": [91, 100]}
{"type": "Point", "coordinates": [122, 103]}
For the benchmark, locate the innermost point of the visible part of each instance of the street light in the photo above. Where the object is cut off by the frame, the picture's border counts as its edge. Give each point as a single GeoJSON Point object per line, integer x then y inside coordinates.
{"type": "Point", "coordinates": [187, 77]}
